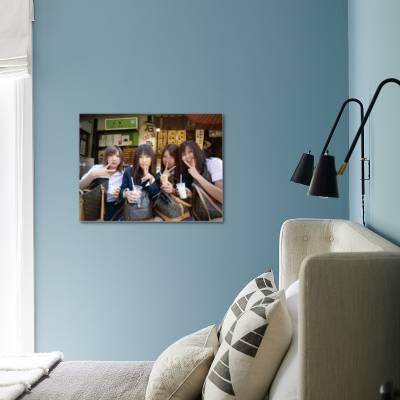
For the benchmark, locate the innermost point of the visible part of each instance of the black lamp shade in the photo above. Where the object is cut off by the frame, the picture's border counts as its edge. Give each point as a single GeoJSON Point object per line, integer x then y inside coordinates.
{"type": "Point", "coordinates": [304, 170]}
{"type": "Point", "coordinates": [324, 181]}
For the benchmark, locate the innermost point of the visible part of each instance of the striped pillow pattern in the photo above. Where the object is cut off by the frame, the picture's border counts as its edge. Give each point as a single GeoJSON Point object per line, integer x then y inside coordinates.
{"type": "Point", "coordinates": [258, 288]}
{"type": "Point", "coordinates": [252, 346]}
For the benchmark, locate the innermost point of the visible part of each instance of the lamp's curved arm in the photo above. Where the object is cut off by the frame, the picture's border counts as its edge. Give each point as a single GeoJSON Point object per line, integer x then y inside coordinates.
{"type": "Point", "coordinates": [338, 118]}
{"type": "Point", "coordinates": [343, 167]}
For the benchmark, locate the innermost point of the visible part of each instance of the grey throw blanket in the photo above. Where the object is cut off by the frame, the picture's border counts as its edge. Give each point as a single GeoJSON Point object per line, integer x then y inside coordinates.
{"type": "Point", "coordinates": [94, 380]}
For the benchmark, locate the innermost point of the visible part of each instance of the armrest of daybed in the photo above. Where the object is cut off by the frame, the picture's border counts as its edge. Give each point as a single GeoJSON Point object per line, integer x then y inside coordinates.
{"type": "Point", "coordinates": [349, 325]}
{"type": "Point", "coordinates": [298, 239]}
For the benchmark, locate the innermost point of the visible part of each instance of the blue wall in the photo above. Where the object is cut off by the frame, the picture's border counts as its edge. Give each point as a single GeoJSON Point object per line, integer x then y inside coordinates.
{"type": "Point", "coordinates": [277, 70]}
{"type": "Point", "coordinates": [374, 33]}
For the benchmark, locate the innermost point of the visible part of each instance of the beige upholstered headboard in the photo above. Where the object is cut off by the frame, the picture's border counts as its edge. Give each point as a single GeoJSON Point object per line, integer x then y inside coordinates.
{"type": "Point", "coordinates": [300, 238]}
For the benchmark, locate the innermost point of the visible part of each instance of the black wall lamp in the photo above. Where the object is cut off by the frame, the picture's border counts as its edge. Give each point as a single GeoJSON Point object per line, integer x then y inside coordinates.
{"type": "Point", "coordinates": [343, 167]}
{"type": "Point", "coordinates": [304, 170]}
{"type": "Point", "coordinates": [389, 392]}
{"type": "Point", "coordinates": [322, 180]}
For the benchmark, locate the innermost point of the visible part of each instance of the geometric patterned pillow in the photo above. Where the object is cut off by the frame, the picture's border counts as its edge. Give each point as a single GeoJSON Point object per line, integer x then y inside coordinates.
{"type": "Point", "coordinates": [261, 286]}
{"type": "Point", "coordinates": [251, 351]}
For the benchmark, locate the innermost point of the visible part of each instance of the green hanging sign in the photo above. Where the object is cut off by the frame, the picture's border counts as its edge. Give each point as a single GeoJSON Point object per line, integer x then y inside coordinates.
{"type": "Point", "coordinates": [113, 124]}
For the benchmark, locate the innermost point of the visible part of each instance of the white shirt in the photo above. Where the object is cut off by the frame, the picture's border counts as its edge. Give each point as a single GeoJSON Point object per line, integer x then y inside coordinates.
{"type": "Point", "coordinates": [115, 180]}
{"type": "Point", "coordinates": [214, 166]}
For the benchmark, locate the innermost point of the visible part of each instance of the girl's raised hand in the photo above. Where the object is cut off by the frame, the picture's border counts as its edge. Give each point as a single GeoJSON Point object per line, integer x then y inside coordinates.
{"type": "Point", "coordinates": [102, 171]}
{"type": "Point", "coordinates": [167, 171]}
{"type": "Point", "coordinates": [192, 168]}
{"type": "Point", "coordinates": [145, 174]}
{"type": "Point", "coordinates": [148, 177]}
{"type": "Point", "coordinates": [191, 163]}
{"type": "Point", "coordinates": [109, 170]}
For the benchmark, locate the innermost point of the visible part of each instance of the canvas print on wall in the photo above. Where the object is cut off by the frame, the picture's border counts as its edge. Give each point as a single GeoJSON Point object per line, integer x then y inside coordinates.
{"type": "Point", "coordinates": [151, 168]}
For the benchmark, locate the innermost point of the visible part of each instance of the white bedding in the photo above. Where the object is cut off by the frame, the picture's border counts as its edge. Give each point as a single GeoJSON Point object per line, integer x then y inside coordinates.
{"type": "Point", "coordinates": [18, 373]}
{"type": "Point", "coordinates": [285, 384]}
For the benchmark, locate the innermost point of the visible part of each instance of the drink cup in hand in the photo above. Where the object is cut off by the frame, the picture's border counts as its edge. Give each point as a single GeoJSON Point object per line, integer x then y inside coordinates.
{"type": "Point", "coordinates": [114, 190]}
{"type": "Point", "coordinates": [138, 191]}
{"type": "Point", "coordinates": [132, 196]}
{"type": "Point", "coordinates": [181, 190]}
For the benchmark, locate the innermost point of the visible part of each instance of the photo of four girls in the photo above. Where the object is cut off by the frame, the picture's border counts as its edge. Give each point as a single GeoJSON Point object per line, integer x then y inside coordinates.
{"type": "Point", "coordinates": [153, 171]}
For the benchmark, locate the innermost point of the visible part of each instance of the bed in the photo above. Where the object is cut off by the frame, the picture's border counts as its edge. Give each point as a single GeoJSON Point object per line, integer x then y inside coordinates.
{"type": "Point", "coordinates": [346, 274]}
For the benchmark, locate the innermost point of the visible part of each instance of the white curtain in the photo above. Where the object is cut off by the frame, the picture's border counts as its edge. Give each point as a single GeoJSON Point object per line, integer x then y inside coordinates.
{"type": "Point", "coordinates": [16, 180]}
{"type": "Point", "coordinates": [15, 36]}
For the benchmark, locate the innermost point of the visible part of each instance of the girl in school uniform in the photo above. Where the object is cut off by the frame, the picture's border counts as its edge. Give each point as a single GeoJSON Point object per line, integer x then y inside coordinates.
{"type": "Point", "coordinates": [142, 173]}
{"type": "Point", "coordinates": [110, 173]}
{"type": "Point", "coordinates": [168, 175]}
{"type": "Point", "coordinates": [207, 172]}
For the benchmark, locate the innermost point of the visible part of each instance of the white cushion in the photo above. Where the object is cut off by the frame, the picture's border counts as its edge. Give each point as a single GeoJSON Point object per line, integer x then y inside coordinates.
{"type": "Point", "coordinates": [286, 383]}
{"type": "Point", "coordinates": [251, 351]}
{"type": "Point", "coordinates": [179, 372]}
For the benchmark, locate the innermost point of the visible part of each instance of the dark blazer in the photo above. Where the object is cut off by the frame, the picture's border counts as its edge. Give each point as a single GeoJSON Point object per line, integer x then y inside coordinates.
{"type": "Point", "coordinates": [152, 189]}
